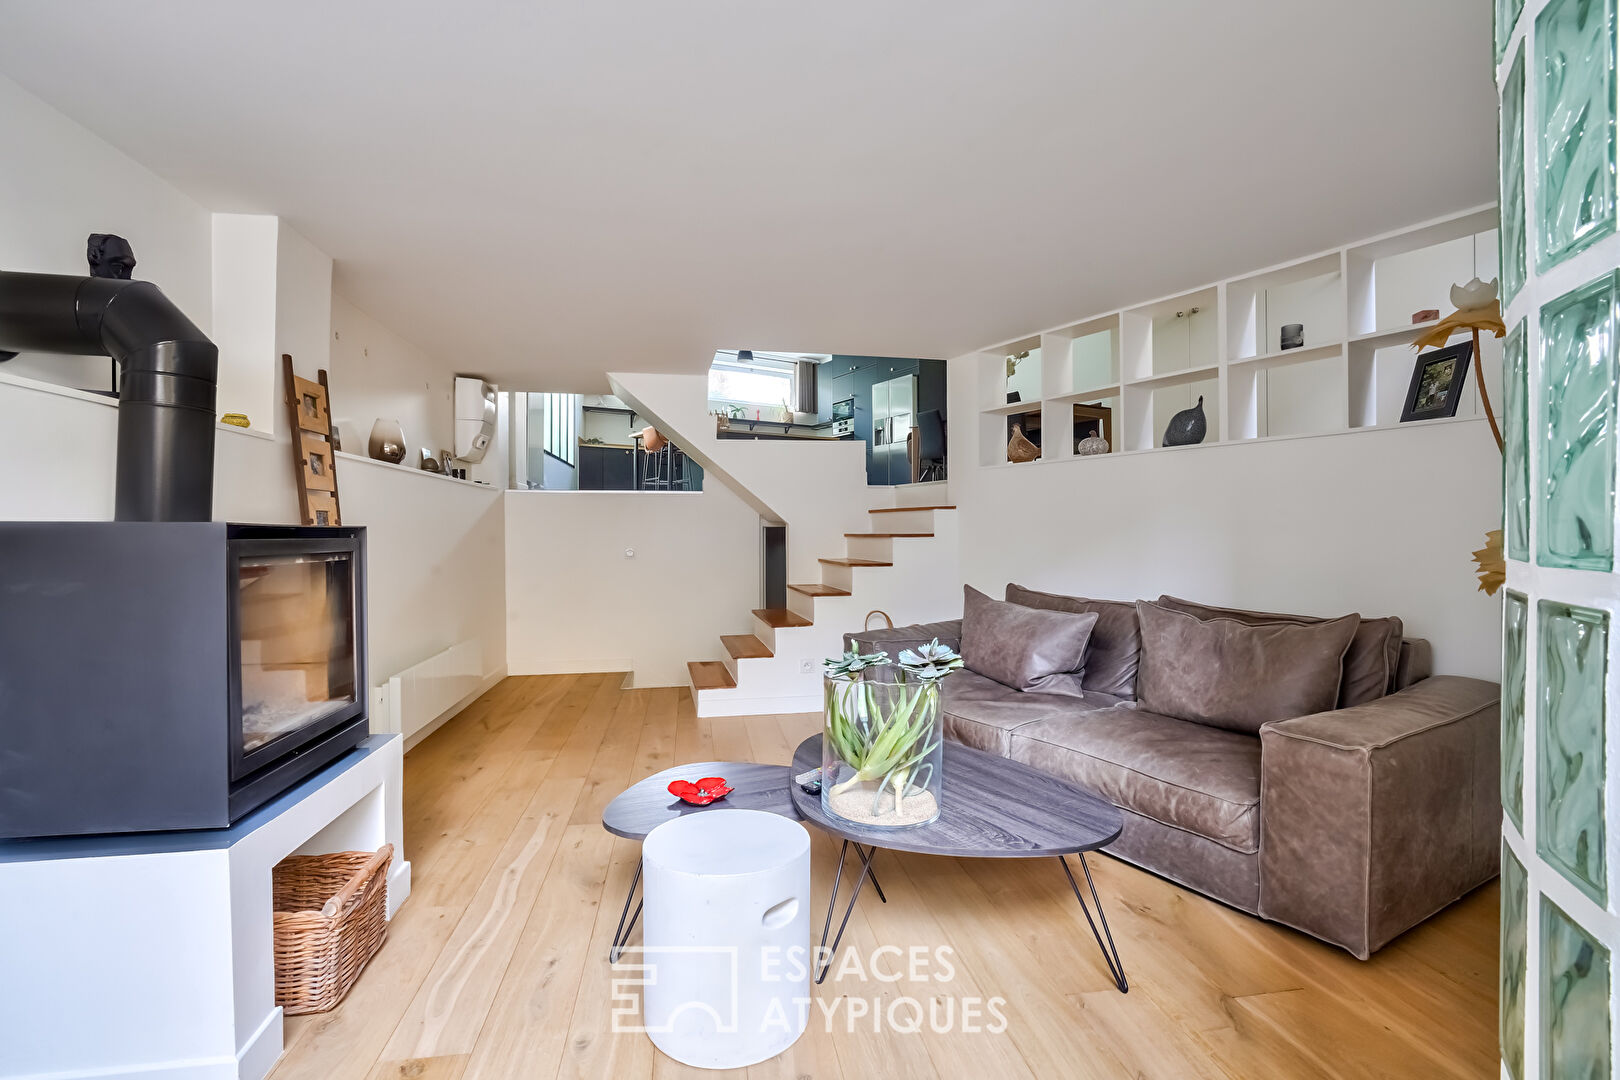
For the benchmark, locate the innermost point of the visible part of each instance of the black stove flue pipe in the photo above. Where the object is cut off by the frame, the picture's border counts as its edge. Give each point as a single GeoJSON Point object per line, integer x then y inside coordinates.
{"type": "Point", "coordinates": [166, 396]}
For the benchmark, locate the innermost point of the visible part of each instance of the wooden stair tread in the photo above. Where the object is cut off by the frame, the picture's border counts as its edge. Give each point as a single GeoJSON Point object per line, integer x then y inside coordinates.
{"type": "Point", "coordinates": [885, 536]}
{"type": "Point", "coordinates": [854, 562]}
{"type": "Point", "coordinates": [818, 590]}
{"type": "Point", "coordinates": [906, 509]}
{"type": "Point", "coordinates": [745, 647]}
{"type": "Point", "coordinates": [709, 675]}
{"type": "Point", "coordinates": [777, 618]}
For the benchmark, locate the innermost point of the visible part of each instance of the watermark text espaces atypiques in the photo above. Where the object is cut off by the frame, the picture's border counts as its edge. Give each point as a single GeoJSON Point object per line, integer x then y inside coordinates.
{"type": "Point", "coordinates": [859, 993]}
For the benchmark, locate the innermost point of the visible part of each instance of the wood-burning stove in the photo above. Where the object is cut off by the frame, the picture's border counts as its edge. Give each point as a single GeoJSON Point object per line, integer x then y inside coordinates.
{"type": "Point", "coordinates": [172, 675]}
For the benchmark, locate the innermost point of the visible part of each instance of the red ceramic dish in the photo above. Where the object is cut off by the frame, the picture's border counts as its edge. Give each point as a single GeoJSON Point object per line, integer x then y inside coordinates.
{"type": "Point", "coordinates": [702, 793]}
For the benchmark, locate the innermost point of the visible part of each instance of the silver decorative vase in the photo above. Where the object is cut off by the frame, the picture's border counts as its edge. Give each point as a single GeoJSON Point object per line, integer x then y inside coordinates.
{"type": "Point", "coordinates": [387, 441]}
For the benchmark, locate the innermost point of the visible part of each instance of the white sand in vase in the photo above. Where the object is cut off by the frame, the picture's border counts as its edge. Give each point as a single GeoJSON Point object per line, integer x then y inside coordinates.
{"type": "Point", "coordinates": [856, 805]}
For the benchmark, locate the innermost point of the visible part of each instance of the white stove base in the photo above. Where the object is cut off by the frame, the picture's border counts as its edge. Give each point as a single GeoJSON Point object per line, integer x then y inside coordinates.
{"type": "Point", "coordinates": [150, 956]}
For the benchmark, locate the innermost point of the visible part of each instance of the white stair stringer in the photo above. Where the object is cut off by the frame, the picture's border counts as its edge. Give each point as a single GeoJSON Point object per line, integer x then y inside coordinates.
{"type": "Point", "coordinates": [923, 585]}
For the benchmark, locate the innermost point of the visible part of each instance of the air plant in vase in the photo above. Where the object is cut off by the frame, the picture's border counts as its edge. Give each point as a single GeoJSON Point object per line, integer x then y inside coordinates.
{"type": "Point", "coordinates": [886, 734]}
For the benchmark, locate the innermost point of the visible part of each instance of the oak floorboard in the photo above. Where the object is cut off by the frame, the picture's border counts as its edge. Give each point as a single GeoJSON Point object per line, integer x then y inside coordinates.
{"type": "Point", "coordinates": [437, 1068]}
{"type": "Point", "coordinates": [496, 967]}
{"type": "Point", "coordinates": [525, 1031]}
{"type": "Point", "coordinates": [445, 1017]}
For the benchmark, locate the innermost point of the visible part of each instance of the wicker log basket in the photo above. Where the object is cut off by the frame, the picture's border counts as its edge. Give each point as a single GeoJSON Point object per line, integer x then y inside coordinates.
{"type": "Point", "coordinates": [330, 920]}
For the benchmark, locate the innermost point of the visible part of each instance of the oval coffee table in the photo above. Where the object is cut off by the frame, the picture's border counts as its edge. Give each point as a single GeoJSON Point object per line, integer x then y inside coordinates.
{"type": "Point", "coordinates": [991, 808]}
{"type": "Point", "coordinates": [647, 804]}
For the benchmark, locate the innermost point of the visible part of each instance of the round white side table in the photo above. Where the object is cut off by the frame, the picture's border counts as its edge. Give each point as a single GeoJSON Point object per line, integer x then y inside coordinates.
{"type": "Point", "coordinates": [726, 937]}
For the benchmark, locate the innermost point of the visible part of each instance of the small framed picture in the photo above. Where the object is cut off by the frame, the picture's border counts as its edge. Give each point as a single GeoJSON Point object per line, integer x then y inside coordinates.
{"type": "Point", "coordinates": [1437, 383]}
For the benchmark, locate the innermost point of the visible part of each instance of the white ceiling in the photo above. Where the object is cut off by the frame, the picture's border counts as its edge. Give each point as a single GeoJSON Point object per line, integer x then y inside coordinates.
{"type": "Point", "coordinates": [545, 191]}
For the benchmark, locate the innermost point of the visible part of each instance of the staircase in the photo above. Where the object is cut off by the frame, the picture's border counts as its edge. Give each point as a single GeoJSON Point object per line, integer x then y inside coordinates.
{"type": "Point", "coordinates": [906, 565]}
{"type": "Point", "coordinates": [900, 556]}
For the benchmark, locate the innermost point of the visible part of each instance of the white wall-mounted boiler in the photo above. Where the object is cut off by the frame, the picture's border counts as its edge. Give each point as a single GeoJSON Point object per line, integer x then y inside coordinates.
{"type": "Point", "coordinates": [475, 417]}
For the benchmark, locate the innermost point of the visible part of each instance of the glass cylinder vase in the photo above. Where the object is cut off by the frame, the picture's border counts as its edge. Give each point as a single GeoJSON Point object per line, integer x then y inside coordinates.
{"type": "Point", "coordinates": [882, 752]}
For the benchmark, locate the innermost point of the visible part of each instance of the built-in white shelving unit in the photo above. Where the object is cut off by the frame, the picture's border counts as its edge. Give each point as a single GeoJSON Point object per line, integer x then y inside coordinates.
{"type": "Point", "coordinates": [1222, 342]}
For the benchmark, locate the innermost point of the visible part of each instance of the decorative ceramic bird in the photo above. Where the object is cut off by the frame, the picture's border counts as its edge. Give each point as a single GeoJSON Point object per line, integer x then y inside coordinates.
{"type": "Point", "coordinates": [1188, 427]}
{"type": "Point", "coordinates": [1019, 448]}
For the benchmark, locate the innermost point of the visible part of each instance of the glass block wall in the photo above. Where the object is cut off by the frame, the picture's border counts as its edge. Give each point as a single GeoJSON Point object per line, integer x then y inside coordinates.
{"type": "Point", "coordinates": [1556, 76]}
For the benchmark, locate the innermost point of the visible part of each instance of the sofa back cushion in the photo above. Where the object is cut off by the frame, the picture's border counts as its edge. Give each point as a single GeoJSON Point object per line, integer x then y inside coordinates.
{"type": "Point", "coordinates": [1116, 640]}
{"type": "Point", "coordinates": [1024, 648]}
{"type": "Point", "coordinates": [1236, 675]}
{"type": "Point", "coordinates": [1370, 664]}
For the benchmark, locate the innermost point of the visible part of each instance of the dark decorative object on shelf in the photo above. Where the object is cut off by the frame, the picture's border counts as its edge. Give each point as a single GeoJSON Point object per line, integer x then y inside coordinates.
{"type": "Point", "coordinates": [1437, 382]}
{"type": "Point", "coordinates": [1013, 397]}
{"type": "Point", "coordinates": [110, 256]}
{"type": "Point", "coordinates": [1187, 427]}
{"type": "Point", "coordinates": [1293, 335]}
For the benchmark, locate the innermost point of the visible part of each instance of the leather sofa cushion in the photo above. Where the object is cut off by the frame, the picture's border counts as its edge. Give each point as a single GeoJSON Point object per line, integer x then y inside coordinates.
{"type": "Point", "coordinates": [1192, 777]}
{"type": "Point", "coordinates": [1116, 640]}
{"type": "Point", "coordinates": [1417, 663]}
{"type": "Point", "coordinates": [1024, 648]}
{"type": "Point", "coordinates": [1230, 674]}
{"type": "Point", "coordinates": [1370, 664]}
{"type": "Point", "coordinates": [982, 713]}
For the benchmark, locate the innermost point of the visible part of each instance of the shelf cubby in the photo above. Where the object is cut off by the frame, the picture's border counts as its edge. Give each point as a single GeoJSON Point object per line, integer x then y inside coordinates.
{"type": "Point", "coordinates": [1416, 269]}
{"type": "Point", "coordinates": [1150, 403]}
{"type": "Point", "coordinates": [1309, 292]}
{"type": "Point", "coordinates": [1176, 333]}
{"type": "Point", "coordinates": [1073, 416]}
{"type": "Point", "coordinates": [1380, 373]}
{"type": "Point", "coordinates": [1082, 356]}
{"type": "Point", "coordinates": [1297, 392]}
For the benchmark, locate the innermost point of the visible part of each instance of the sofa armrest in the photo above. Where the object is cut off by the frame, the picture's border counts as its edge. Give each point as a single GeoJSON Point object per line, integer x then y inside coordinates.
{"type": "Point", "coordinates": [907, 637]}
{"type": "Point", "coordinates": [1373, 818]}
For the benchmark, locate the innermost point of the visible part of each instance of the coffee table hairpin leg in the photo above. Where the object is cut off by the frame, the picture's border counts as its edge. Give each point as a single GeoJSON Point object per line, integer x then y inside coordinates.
{"type": "Point", "coordinates": [832, 902]}
{"type": "Point", "coordinates": [621, 936]}
{"type": "Point", "coordinates": [1110, 953]}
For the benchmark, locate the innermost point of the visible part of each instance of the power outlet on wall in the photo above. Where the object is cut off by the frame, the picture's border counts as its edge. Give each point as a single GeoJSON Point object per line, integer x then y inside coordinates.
{"type": "Point", "coordinates": [807, 666]}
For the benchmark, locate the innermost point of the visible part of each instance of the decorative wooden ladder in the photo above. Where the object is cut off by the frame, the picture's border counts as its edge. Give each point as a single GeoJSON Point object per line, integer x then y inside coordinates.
{"type": "Point", "coordinates": [309, 408]}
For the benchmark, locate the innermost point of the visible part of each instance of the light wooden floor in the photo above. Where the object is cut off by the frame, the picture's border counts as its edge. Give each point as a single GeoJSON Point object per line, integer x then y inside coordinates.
{"type": "Point", "coordinates": [496, 968]}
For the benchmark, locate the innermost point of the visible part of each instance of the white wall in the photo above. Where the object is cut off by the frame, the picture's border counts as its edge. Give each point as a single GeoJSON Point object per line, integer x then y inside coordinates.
{"type": "Point", "coordinates": [244, 311]}
{"type": "Point", "coordinates": [303, 311]}
{"type": "Point", "coordinates": [376, 374]}
{"type": "Point", "coordinates": [574, 602]}
{"type": "Point", "coordinates": [58, 184]}
{"type": "Point", "coordinates": [1381, 523]}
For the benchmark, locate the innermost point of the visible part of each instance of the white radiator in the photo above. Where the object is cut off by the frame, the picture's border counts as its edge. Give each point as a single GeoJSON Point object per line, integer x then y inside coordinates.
{"type": "Point", "coordinates": [416, 697]}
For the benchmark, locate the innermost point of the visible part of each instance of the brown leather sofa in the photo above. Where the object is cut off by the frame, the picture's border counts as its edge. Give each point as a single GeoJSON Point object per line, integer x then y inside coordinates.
{"type": "Point", "coordinates": [1352, 825]}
